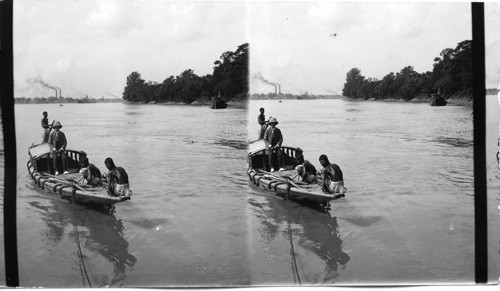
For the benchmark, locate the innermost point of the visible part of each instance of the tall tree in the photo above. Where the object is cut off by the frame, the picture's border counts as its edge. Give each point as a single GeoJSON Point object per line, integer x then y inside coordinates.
{"type": "Point", "coordinates": [134, 87]}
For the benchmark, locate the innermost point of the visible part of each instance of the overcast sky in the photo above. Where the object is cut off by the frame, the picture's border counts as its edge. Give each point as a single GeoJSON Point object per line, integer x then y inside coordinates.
{"type": "Point", "coordinates": [90, 47]}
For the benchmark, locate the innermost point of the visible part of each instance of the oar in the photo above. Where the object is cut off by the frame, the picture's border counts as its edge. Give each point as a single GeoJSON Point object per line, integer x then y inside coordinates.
{"type": "Point", "coordinates": [280, 178]}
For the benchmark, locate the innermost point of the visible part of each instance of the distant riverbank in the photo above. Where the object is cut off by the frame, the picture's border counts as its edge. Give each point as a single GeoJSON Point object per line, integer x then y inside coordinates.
{"type": "Point", "coordinates": [455, 101]}
{"type": "Point", "coordinates": [235, 102]}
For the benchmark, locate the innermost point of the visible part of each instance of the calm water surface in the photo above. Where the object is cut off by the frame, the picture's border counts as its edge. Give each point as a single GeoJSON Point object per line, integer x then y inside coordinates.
{"type": "Point", "coordinates": [194, 219]}
{"type": "Point", "coordinates": [408, 216]}
{"type": "Point", "coordinates": [186, 223]}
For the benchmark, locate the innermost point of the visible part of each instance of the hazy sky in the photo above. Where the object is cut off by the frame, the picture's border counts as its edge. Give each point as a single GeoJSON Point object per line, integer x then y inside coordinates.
{"type": "Point", "coordinates": [90, 47]}
{"type": "Point", "coordinates": [311, 46]}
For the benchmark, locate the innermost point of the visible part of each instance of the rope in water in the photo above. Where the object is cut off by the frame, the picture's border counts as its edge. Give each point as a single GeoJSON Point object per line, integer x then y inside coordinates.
{"type": "Point", "coordinates": [80, 254]}
{"type": "Point", "coordinates": [291, 239]}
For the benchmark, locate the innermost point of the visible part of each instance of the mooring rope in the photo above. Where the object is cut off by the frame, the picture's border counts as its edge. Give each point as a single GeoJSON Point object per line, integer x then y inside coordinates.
{"type": "Point", "coordinates": [290, 236]}
{"type": "Point", "coordinates": [80, 254]}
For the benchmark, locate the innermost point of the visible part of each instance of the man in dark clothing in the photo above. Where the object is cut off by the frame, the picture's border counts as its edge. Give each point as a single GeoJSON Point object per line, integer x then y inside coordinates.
{"type": "Point", "coordinates": [306, 170]}
{"type": "Point", "coordinates": [57, 142]}
{"type": "Point", "coordinates": [262, 122]}
{"type": "Point", "coordinates": [45, 120]}
{"type": "Point", "coordinates": [274, 137]}
{"type": "Point", "coordinates": [331, 174]}
{"type": "Point", "coordinates": [117, 180]}
{"type": "Point", "coordinates": [90, 172]}
{"type": "Point", "coordinates": [45, 126]}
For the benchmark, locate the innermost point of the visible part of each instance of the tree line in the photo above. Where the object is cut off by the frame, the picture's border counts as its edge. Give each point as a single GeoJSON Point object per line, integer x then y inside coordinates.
{"type": "Point", "coordinates": [451, 77]}
{"type": "Point", "coordinates": [229, 77]}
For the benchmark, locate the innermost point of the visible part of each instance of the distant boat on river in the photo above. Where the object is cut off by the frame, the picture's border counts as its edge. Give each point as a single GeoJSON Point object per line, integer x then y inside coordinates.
{"type": "Point", "coordinates": [437, 100]}
{"type": "Point", "coordinates": [218, 103]}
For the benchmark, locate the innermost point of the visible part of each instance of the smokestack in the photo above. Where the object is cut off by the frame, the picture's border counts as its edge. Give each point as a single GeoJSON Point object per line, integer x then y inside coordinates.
{"type": "Point", "coordinates": [60, 94]}
{"type": "Point", "coordinates": [279, 89]}
{"type": "Point", "coordinates": [56, 92]}
{"type": "Point", "coordinates": [275, 89]}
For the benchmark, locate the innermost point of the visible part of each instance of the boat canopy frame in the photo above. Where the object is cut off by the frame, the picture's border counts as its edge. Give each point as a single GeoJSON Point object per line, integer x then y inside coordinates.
{"type": "Point", "coordinates": [258, 156]}
{"type": "Point", "coordinates": [41, 158]}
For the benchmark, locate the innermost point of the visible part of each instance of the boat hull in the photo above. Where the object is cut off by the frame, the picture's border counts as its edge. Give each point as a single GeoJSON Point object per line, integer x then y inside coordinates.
{"type": "Point", "coordinates": [306, 193]}
{"type": "Point", "coordinates": [91, 196]}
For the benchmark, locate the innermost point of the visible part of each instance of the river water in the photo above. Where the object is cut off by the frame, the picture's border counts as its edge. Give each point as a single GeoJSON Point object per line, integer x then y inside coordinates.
{"type": "Point", "coordinates": [408, 216]}
{"type": "Point", "coordinates": [195, 220]}
{"type": "Point", "coordinates": [186, 222]}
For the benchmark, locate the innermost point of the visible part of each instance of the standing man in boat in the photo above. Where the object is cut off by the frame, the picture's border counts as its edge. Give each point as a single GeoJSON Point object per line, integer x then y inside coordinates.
{"type": "Point", "coordinates": [332, 177]}
{"type": "Point", "coordinates": [117, 179]}
{"type": "Point", "coordinates": [262, 122]}
{"type": "Point", "coordinates": [57, 142]}
{"type": "Point", "coordinates": [274, 137]}
{"type": "Point", "coordinates": [46, 127]}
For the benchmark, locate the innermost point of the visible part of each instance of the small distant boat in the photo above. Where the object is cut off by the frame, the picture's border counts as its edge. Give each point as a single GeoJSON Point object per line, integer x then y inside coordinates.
{"type": "Point", "coordinates": [437, 100]}
{"type": "Point", "coordinates": [66, 185]}
{"type": "Point", "coordinates": [279, 101]}
{"type": "Point", "coordinates": [218, 103]}
{"type": "Point", "coordinates": [282, 183]}
{"type": "Point", "coordinates": [60, 105]}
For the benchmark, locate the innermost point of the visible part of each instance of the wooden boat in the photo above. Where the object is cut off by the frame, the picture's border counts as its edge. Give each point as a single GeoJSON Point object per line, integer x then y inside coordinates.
{"type": "Point", "coordinates": [438, 101]}
{"type": "Point", "coordinates": [283, 183]}
{"type": "Point", "coordinates": [218, 103]}
{"type": "Point", "coordinates": [66, 185]}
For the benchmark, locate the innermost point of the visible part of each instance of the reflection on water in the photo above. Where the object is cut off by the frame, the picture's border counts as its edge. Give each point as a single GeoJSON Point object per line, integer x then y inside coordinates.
{"type": "Point", "coordinates": [185, 224]}
{"type": "Point", "coordinates": [409, 171]}
{"type": "Point", "coordinates": [99, 234]}
{"type": "Point", "coordinates": [315, 237]}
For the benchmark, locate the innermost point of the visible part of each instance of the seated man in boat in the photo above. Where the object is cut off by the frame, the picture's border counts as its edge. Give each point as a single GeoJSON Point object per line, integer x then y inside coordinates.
{"type": "Point", "coordinates": [331, 174]}
{"type": "Point", "coordinates": [274, 137]}
{"type": "Point", "coordinates": [90, 172]}
{"type": "Point", "coordinates": [57, 142]}
{"type": "Point", "coordinates": [117, 180]}
{"type": "Point", "coordinates": [306, 170]}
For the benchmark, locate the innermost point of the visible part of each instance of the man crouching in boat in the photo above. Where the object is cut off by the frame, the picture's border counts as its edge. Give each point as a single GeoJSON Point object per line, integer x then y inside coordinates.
{"type": "Point", "coordinates": [305, 170]}
{"type": "Point", "coordinates": [90, 172]}
{"type": "Point", "coordinates": [331, 174]}
{"type": "Point", "coordinates": [117, 180]}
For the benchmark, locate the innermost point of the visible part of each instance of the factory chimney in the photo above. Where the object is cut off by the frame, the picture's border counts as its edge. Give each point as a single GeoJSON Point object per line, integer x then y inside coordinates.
{"type": "Point", "coordinates": [56, 92]}
{"type": "Point", "coordinates": [275, 89]}
{"type": "Point", "coordinates": [60, 94]}
{"type": "Point", "coordinates": [279, 89]}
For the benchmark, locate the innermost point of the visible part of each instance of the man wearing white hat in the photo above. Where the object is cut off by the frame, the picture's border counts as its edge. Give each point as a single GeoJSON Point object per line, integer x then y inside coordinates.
{"type": "Point", "coordinates": [274, 137]}
{"type": "Point", "coordinates": [57, 143]}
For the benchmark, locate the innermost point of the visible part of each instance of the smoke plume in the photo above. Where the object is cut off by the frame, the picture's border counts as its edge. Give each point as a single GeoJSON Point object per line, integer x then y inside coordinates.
{"type": "Point", "coordinates": [39, 80]}
{"type": "Point", "coordinates": [276, 85]}
{"type": "Point", "coordinates": [260, 77]}
{"type": "Point", "coordinates": [112, 95]}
